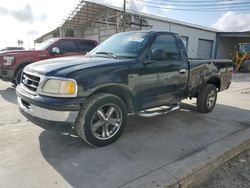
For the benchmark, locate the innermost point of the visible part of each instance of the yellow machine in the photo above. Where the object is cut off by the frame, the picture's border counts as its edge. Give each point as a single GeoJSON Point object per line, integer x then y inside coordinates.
{"type": "Point", "coordinates": [241, 58]}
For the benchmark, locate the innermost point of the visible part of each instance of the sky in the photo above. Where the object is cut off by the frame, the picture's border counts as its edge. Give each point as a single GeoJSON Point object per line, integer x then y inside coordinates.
{"type": "Point", "coordinates": [29, 19]}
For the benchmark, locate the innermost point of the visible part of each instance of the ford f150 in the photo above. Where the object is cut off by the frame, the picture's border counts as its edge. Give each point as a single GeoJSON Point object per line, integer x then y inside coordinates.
{"type": "Point", "coordinates": [128, 73]}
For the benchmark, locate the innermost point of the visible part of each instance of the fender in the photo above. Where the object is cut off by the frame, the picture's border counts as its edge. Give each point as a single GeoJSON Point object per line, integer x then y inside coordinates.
{"type": "Point", "coordinates": [121, 90]}
{"type": "Point", "coordinates": [22, 65]}
{"type": "Point", "coordinates": [26, 60]}
{"type": "Point", "coordinates": [215, 79]}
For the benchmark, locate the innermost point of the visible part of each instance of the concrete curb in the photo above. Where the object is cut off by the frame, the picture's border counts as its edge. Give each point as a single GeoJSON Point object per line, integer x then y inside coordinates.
{"type": "Point", "coordinates": [233, 147]}
{"type": "Point", "coordinates": [194, 168]}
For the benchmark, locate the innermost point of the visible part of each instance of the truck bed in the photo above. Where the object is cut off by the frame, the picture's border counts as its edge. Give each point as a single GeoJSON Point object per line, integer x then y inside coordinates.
{"type": "Point", "coordinates": [202, 70]}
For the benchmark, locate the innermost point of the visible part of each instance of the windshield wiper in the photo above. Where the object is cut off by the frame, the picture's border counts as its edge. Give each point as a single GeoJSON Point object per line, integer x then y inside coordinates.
{"type": "Point", "coordinates": [109, 54]}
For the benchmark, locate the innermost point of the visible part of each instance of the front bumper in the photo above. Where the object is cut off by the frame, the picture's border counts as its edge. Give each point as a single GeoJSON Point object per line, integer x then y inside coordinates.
{"type": "Point", "coordinates": [7, 74]}
{"type": "Point", "coordinates": [45, 114]}
{"type": "Point", "coordinates": [48, 108]}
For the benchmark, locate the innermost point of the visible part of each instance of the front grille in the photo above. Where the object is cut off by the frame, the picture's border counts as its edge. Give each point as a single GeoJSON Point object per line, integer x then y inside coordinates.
{"type": "Point", "coordinates": [30, 81]}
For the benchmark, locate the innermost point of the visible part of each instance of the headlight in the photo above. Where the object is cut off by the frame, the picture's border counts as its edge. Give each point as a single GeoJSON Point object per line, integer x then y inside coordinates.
{"type": "Point", "coordinates": [60, 88]}
{"type": "Point", "coordinates": [8, 60]}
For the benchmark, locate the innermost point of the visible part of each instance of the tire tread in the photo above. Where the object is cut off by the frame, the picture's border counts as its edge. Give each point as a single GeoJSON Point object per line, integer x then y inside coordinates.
{"type": "Point", "coordinates": [201, 99]}
{"type": "Point", "coordinates": [80, 120]}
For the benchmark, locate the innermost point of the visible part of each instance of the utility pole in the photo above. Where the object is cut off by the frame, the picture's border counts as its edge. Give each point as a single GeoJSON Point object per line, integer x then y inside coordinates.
{"type": "Point", "coordinates": [124, 6]}
{"type": "Point", "coordinates": [124, 14]}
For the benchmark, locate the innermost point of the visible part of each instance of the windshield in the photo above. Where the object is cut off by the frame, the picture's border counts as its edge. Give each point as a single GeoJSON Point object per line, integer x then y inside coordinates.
{"type": "Point", "coordinates": [125, 45]}
{"type": "Point", "coordinates": [45, 44]}
{"type": "Point", "coordinates": [245, 48]}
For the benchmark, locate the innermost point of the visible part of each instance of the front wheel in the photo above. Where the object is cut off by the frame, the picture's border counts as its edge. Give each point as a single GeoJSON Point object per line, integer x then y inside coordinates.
{"type": "Point", "coordinates": [18, 77]}
{"type": "Point", "coordinates": [206, 99]}
{"type": "Point", "coordinates": [101, 119]}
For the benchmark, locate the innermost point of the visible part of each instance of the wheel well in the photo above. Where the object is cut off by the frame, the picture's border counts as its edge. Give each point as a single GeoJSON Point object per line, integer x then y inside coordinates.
{"type": "Point", "coordinates": [20, 67]}
{"type": "Point", "coordinates": [120, 92]}
{"type": "Point", "coordinates": [215, 81]}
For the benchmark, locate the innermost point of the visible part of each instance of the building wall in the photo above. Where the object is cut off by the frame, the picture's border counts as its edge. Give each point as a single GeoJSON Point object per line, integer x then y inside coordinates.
{"type": "Point", "coordinates": [91, 33]}
{"type": "Point", "coordinates": [78, 33]}
{"type": "Point", "coordinates": [100, 32]}
{"type": "Point", "coordinates": [193, 35]}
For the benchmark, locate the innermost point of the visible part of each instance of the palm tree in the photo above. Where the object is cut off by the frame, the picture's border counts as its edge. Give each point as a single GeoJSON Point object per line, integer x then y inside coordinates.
{"type": "Point", "coordinates": [20, 42]}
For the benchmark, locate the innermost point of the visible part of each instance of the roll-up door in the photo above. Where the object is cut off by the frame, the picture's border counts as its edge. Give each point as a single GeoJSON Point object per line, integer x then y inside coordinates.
{"type": "Point", "coordinates": [205, 49]}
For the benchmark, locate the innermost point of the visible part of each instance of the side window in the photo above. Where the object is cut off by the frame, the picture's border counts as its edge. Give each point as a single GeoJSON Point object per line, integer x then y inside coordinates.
{"type": "Point", "coordinates": [66, 46]}
{"type": "Point", "coordinates": [185, 41]}
{"type": "Point", "coordinates": [85, 46]}
{"type": "Point", "coordinates": [169, 45]}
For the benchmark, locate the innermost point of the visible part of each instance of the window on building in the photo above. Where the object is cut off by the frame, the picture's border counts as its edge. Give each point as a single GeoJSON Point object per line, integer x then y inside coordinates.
{"type": "Point", "coordinates": [169, 45]}
{"type": "Point", "coordinates": [67, 46]}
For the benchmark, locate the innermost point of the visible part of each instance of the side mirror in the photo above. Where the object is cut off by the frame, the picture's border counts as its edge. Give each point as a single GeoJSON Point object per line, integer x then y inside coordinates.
{"type": "Point", "coordinates": [55, 50]}
{"type": "Point", "coordinates": [158, 54]}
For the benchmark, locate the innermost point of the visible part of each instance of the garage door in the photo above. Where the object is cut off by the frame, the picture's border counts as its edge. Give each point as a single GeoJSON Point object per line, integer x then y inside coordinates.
{"type": "Point", "coordinates": [205, 48]}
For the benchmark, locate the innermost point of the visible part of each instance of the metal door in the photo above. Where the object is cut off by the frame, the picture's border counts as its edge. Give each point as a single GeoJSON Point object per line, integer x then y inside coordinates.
{"type": "Point", "coordinates": [205, 49]}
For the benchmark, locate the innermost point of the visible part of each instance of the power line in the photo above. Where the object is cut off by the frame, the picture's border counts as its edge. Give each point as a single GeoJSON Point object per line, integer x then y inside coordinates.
{"type": "Point", "coordinates": [202, 10]}
{"type": "Point", "coordinates": [196, 1]}
{"type": "Point", "coordinates": [243, 7]}
{"type": "Point", "coordinates": [219, 4]}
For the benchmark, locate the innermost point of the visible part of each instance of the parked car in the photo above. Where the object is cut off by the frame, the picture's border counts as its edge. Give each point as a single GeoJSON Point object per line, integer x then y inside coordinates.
{"type": "Point", "coordinates": [12, 48]}
{"type": "Point", "coordinates": [128, 73]}
{"type": "Point", "coordinates": [12, 63]}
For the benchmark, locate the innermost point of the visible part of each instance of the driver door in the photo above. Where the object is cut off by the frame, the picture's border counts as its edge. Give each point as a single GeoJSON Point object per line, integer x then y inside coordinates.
{"type": "Point", "coordinates": [166, 78]}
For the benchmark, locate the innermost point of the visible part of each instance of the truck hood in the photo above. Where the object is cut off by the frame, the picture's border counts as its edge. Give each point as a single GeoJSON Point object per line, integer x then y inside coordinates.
{"type": "Point", "coordinates": [67, 65]}
{"type": "Point", "coordinates": [17, 52]}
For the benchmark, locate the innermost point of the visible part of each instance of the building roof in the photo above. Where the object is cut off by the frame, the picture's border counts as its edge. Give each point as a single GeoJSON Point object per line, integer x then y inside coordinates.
{"type": "Point", "coordinates": [234, 34]}
{"type": "Point", "coordinates": [155, 17]}
{"type": "Point", "coordinates": [88, 10]}
{"type": "Point", "coordinates": [41, 38]}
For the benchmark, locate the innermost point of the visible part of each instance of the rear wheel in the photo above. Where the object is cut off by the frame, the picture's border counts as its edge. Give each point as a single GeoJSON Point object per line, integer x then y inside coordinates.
{"type": "Point", "coordinates": [246, 66]}
{"type": "Point", "coordinates": [102, 119]}
{"type": "Point", "coordinates": [206, 99]}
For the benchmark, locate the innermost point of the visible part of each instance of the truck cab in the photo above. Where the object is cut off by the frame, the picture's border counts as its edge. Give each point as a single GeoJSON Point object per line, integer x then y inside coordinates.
{"type": "Point", "coordinates": [12, 63]}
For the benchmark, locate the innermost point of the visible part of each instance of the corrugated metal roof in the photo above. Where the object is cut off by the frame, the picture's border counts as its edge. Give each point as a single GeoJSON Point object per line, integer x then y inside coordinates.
{"type": "Point", "coordinates": [99, 6]}
{"type": "Point", "coordinates": [87, 12]}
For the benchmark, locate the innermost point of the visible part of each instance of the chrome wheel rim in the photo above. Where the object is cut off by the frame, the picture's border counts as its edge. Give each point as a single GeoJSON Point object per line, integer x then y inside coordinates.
{"type": "Point", "coordinates": [211, 99]}
{"type": "Point", "coordinates": [106, 121]}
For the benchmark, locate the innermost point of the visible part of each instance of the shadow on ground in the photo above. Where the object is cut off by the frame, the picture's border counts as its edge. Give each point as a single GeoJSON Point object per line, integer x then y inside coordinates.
{"type": "Point", "coordinates": [147, 144]}
{"type": "Point", "coordinates": [9, 95]}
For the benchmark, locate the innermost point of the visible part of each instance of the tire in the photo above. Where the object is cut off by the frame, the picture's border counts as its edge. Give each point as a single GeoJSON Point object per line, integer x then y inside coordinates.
{"type": "Point", "coordinates": [95, 126]}
{"type": "Point", "coordinates": [17, 79]}
{"type": "Point", "coordinates": [246, 66]}
{"type": "Point", "coordinates": [206, 99]}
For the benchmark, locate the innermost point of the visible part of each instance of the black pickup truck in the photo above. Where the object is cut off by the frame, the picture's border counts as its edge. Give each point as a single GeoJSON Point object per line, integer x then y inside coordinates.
{"type": "Point", "coordinates": [128, 73]}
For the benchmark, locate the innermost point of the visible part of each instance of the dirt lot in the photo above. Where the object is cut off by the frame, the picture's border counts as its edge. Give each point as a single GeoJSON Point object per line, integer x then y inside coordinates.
{"type": "Point", "coordinates": [152, 152]}
{"type": "Point", "coordinates": [235, 173]}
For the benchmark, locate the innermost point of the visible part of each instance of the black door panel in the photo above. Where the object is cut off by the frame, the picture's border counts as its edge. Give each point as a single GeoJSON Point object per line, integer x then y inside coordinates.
{"type": "Point", "coordinates": [161, 81]}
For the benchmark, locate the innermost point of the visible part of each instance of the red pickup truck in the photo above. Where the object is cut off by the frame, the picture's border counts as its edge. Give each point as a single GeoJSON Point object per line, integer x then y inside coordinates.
{"type": "Point", "coordinates": [12, 63]}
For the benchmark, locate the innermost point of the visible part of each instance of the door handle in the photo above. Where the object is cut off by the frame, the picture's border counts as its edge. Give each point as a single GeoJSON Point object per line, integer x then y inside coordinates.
{"type": "Point", "coordinates": [182, 71]}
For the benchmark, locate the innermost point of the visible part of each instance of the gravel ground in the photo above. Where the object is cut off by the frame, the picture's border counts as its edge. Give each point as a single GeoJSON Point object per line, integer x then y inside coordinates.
{"type": "Point", "coordinates": [235, 173]}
